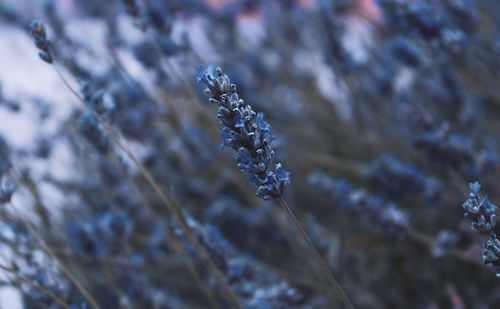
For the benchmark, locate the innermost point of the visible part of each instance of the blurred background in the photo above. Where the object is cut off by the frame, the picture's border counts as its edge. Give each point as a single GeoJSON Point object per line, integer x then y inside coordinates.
{"type": "Point", "coordinates": [383, 111]}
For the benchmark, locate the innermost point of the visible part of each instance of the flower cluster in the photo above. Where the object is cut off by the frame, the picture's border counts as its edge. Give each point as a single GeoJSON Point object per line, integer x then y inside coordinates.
{"type": "Point", "coordinates": [393, 221]}
{"type": "Point", "coordinates": [395, 178]}
{"type": "Point", "coordinates": [255, 284]}
{"type": "Point", "coordinates": [248, 229]}
{"type": "Point", "coordinates": [491, 254]}
{"type": "Point", "coordinates": [446, 149]}
{"type": "Point", "coordinates": [480, 211]}
{"type": "Point", "coordinates": [421, 19]}
{"type": "Point", "coordinates": [94, 98]}
{"type": "Point", "coordinates": [40, 37]}
{"type": "Point", "coordinates": [247, 133]}
{"type": "Point", "coordinates": [106, 233]}
{"type": "Point", "coordinates": [483, 217]}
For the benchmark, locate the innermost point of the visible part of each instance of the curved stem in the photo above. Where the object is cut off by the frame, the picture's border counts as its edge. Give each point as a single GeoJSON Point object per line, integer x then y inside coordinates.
{"type": "Point", "coordinates": [324, 268]}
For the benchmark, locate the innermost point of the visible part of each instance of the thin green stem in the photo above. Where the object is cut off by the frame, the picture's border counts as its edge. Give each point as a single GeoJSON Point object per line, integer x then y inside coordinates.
{"type": "Point", "coordinates": [324, 268]}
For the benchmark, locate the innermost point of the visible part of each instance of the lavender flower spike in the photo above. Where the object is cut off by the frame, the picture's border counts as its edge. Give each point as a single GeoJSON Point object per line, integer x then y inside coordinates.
{"type": "Point", "coordinates": [40, 37]}
{"type": "Point", "coordinates": [482, 214]}
{"type": "Point", "coordinates": [480, 211]}
{"type": "Point", "coordinates": [247, 133]}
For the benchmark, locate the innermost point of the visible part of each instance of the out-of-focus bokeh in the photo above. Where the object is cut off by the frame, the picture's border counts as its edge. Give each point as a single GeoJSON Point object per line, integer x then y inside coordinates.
{"type": "Point", "coordinates": [383, 111]}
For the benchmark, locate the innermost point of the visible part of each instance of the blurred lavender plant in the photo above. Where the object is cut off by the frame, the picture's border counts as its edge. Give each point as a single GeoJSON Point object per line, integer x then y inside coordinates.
{"type": "Point", "coordinates": [42, 43]}
{"type": "Point", "coordinates": [90, 129]}
{"type": "Point", "coordinates": [253, 231]}
{"type": "Point", "coordinates": [258, 286]}
{"type": "Point", "coordinates": [446, 149]}
{"type": "Point", "coordinates": [393, 221]}
{"type": "Point", "coordinates": [395, 178]}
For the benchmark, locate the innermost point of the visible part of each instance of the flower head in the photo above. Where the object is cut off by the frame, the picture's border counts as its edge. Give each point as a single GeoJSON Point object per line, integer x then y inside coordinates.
{"type": "Point", "coordinates": [480, 211]}
{"type": "Point", "coordinates": [482, 215]}
{"type": "Point", "coordinates": [392, 220]}
{"type": "Point", "coordinates": [39, 35]}
{"type": "Point", "coordinates": [245, 132]}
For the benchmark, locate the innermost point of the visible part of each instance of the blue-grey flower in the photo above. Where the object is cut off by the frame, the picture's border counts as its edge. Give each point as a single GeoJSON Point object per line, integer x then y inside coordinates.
{"type": "Point", "coordinates": [246, 132]}
{"type": "Point", "coordinates": [480, 211]}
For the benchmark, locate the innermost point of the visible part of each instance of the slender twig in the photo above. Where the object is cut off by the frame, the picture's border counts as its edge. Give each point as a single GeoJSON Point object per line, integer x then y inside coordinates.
{"type": "Point", "coordinates": [61, 76]}
{"type": "Point", "coordinates": [35, 285]}
{"type": "Point", "coordinates": [324, 268]}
